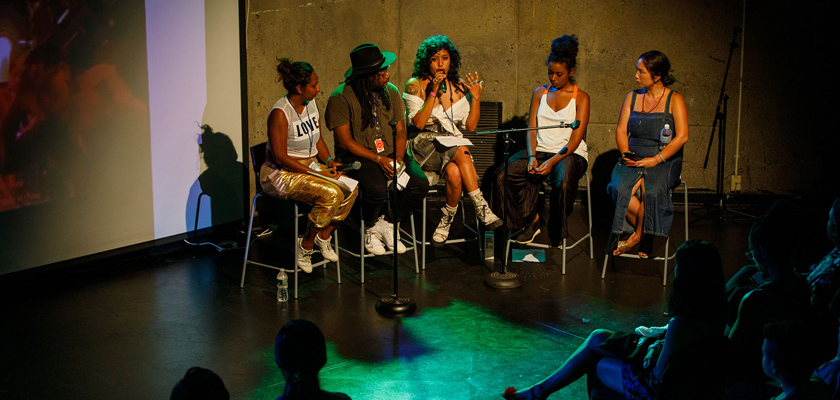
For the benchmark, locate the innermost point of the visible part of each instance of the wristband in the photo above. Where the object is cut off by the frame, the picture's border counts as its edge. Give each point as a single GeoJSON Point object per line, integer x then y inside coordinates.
{"type": "Point", "coordinates": [378, 158]}
{"type": "Point", "coordinates": [532, 156]}
{"type": "Point", "coordinates": [433, 94]}
{"type": "Point", "coordinates": [328, 160]}
{"type": "Point", "coordinates": [661, 158]}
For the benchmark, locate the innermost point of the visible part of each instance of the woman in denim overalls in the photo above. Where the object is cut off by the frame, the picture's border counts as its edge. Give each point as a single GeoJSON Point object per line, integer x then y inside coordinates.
{"type": "Point", "coordinates": [640, 185]}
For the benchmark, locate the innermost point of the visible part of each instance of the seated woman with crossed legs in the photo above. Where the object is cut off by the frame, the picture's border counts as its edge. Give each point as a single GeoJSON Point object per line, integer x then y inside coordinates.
{"type": "Point", "coordinates": [651, 162]}
{"type": "Point", "coordinates": [295, 151]}
{"type": "Point", "coordinates": [438, 104]}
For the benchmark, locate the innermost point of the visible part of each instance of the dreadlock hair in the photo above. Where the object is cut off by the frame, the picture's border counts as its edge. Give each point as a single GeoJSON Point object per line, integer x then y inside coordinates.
{"type": "Point", "coordinates": [363, 86]}
{"type": "Point", "coordinates": [293, 74]}
{"type": "Point", "coordinates": [429, 48]}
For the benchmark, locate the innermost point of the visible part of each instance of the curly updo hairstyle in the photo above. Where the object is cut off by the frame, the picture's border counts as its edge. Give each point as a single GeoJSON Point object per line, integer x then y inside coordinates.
{"type": "Point", "coordinates": [429, 48]}
{"type": "Point", "coordinates": [293, 74]}
{"type": "Point", "coordinates": [658, 65]}
{"type": "Point", "coordinates": [564, 50]}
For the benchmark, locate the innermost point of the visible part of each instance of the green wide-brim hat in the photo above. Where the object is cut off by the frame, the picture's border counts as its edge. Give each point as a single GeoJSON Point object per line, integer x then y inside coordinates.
{"type": "Point", "coordinates": [367, 58]}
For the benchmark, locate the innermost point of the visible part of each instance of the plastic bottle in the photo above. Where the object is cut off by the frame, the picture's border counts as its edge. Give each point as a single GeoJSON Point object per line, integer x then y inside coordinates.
{"type": "Point", "coordinates": [282, 286]}
{"type": "Point", "coordinates": [665, 136]}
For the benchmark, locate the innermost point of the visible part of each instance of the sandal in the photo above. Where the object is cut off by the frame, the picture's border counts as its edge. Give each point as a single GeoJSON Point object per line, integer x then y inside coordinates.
{"type": "Point", "coordinates": [646, 246]}
{"type": "Point", "coordinates": [622, 247]}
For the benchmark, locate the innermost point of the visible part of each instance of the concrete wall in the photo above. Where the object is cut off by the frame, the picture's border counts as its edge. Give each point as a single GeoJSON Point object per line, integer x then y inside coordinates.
{"type": "Point", "coordinates": [507, 41]}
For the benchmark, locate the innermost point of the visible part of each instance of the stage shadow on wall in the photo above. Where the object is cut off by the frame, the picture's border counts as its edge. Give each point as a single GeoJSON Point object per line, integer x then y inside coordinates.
{"type": "Point", "coordinates": [216, 196]}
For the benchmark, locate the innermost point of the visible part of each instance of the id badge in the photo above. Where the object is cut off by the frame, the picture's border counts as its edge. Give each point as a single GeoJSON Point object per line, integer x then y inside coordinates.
{"type": "Point", "coordinates": [379, 144]}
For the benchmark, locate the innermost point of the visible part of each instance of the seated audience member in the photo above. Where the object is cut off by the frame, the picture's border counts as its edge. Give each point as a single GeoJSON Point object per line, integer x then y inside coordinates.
{"type": "Point", "coordinates": [829, 373]}
{"type": "Point", "coordinates": [789, 360]}
{"type": "Point", "coordinates": [200, 384]}
{"type": "Point", "coordinates": [300, 351]}
{"type": "Point", "coordinates": [782, 295]}
{"type": "Point", "coordinates": [824, 279]}
{"type": "Point", "coordinates": [697, 305]}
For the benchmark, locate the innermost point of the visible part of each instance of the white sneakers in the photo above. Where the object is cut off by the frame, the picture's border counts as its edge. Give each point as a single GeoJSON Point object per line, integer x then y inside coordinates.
{"type": "Point", "coordinates": [442, 230]}
{"type": "Point", "coordinates": [325, 248]}
{"type": "Point", "coordinates": [304, 259]}
{"type": "Point", "coordinates": [482, 211]}
{"type": "Point", "coordinates": [382, 233]}
{"type": "Point", "coordinates": [385, 230]}
{"type": "Point", "coordinates": [372, 243]}
{"type": "Point", "coordinates": [651, 331]}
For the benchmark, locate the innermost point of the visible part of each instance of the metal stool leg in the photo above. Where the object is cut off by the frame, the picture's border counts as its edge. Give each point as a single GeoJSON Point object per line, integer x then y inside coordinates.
{"type": "Point", "coordinates": [564, 256]}
{"type": "Point", "coordinates": [362, 243]}
{"type": "Point", "coordinates": [248, 240]}
{"type": "Point", "coordinates": [414, 240]}
{"type": "Point", "coordinates": [665, 263]}
{"type": "Point", "coordinates": [338, 252]}
{"type": "Point", "coordinates": [423, 238]}
{"type": "Point", "coordinates": [589, 211]}
{"type": "Point", "coordinates": [297, 247]}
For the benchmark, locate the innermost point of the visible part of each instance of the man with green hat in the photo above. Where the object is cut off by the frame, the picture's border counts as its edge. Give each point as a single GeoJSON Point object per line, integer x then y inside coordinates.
{"type": "Point", "coordinates": [363, 113]}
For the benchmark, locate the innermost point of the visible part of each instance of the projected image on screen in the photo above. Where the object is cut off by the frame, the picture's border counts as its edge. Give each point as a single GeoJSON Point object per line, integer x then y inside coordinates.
{"type": "Point", "coordinates": [61, 92]}
{"type": "Point", "coordinates": [75, 156]}
{"type": "Point", "coordinates": [101, 108]}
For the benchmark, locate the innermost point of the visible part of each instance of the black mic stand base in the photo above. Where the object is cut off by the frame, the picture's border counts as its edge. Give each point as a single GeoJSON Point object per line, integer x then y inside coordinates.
{"type": "Point", "coordinates": [502, 280]}
{"type": "Point", "coordinates": [393, 306]}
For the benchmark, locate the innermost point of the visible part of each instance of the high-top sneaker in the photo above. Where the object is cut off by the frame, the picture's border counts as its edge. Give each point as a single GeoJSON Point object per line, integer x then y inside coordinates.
{"type": "Point", "coordinates": [372, 243]}
{"type": "Point", "coordinates": [442, 230]}
{"type": "Point", "coordinates": [326, 249]}
{"type": "Point", "coordinates": [483, 212]}
{"type": "Point", "coordinates": [385, 230]}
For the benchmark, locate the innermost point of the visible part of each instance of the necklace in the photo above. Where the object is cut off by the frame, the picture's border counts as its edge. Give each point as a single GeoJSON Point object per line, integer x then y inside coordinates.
{"type": "Point", "coordinates": [306, 125]}
{"type": "Point", "coordinates": [657, 101]}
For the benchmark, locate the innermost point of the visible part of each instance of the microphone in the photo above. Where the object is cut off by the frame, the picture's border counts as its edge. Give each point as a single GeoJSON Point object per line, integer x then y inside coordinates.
{"type": "Point", "coordinates": [575, 124]}
{"type": "Point", "coordinates": [349, 167]}
{"type": "Point", "coordinates": [393, 123]}
{"type": "Point", "coordinates": [443, 85]}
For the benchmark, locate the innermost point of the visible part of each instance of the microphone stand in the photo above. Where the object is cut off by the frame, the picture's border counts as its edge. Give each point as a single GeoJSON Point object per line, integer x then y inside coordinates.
{"type": "Point", "coordinates": [394, 305]}
{"type": "Point", "coordinates": [719, 122]}
{"type": "Point", "coordinates": [503, 279]}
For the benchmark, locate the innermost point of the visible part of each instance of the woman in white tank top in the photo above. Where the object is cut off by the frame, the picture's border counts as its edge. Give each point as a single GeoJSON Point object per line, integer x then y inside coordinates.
{"type": "Point", "coordinates": [557, 154]}
{"type": "Point", "coordinates": [294, 152]}
{"type": "Point", "coordinates": [439, 103]}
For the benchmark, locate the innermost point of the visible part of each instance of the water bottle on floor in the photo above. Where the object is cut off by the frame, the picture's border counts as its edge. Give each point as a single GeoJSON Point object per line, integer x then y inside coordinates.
{"type": "Point", "coordinates": [282, 286]}
{"type": "Point", "coordinates": [665, 136]}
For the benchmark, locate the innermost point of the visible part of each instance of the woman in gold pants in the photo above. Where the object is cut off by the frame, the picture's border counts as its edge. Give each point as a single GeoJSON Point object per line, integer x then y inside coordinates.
{"type": "Point", "coordinates": [297, 158]}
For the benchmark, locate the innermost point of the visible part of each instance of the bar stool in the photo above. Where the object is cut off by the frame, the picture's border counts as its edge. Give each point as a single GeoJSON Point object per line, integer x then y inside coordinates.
{"type": "Point", "coordinates": [565, 247]}
{"type": "Point", "coordinates": [665, 257]}
{"type": "Point", "coordinates": [362, 255]}
{"type": "Point", "coordinates": [257, 159]}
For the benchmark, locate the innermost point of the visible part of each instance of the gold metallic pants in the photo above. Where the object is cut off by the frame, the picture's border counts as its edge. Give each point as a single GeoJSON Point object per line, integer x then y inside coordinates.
{"type": "Point", "coordinates": [329, 203]}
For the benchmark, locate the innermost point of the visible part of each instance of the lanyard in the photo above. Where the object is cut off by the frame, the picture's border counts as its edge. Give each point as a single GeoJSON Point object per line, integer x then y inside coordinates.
{"type": "Point", "coordinates": [308, 131]}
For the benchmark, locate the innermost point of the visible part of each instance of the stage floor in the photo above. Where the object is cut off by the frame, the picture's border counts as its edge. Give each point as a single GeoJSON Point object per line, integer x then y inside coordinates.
{"type": "Point", "coordinates": [131, 328]}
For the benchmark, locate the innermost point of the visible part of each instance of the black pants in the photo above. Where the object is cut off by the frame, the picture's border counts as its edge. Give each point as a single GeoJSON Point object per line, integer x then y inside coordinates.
{"type": "Point", "coordinates": [525, 187]}
{"type": "Point", "coordinates": [375, 187]}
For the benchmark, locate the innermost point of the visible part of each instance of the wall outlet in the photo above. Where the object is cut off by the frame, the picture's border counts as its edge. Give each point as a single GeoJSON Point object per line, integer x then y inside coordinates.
{"type": "Point", "coordinates": [736, 184]}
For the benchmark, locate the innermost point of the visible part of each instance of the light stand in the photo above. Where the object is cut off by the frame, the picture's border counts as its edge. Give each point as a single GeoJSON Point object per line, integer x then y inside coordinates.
{"type": "Point", "coordinates": [503, 279]}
